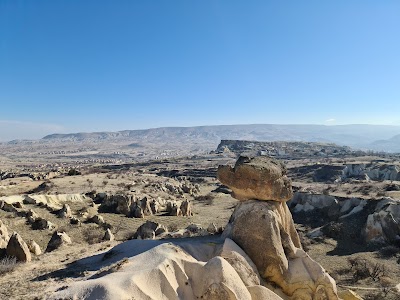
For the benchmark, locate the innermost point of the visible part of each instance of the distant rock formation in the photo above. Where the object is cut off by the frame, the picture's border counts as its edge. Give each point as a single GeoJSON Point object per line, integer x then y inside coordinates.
{"type": "Point", "coordinates": [265, 229]}
{"type": "Point", "coordinates": [375, 172]}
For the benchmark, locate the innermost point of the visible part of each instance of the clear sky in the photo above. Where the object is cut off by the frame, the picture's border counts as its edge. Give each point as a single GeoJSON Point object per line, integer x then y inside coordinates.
{"type": "Point", "coordinates": [69, 66]}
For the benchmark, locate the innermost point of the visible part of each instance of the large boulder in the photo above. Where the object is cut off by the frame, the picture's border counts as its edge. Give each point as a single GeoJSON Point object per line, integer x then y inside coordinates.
{"type": "Point", "coordinates": [258, 178]}
{"type": "Point", "coordinates": [265, 229]}
{"type": "Point", "coordinates": [34, 247]}
{"type": "Point", "coordinates": [149, 230]}
{"type": "Point", "coordinates": [18, 248]}
{"type": "Point", "coordinates": [57, 240]}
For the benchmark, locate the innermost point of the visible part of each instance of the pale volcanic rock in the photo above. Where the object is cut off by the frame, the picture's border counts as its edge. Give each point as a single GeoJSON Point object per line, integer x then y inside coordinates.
{"type": "Point", "coordinates": [18, 248]}
{"type": "Point", "coordinates": [265, 229]}
{"type": "Point", "coordinates": [259, 178]}
{"type": "Point", "coordinates": [34, 248]}
{"type": "Point", "coordinates": [3, 235]}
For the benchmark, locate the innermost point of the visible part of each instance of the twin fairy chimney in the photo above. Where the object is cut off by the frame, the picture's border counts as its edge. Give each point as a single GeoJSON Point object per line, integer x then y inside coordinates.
{"type": "Point", "coordinates": [263, 227]}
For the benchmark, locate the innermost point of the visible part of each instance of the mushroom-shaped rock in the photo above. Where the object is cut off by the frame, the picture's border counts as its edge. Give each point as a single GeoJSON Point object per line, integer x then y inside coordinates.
{"type": "Point", "coordinates": [108, 236]}
{"type": "Point", "coordinates": [18, 248]}
{"type": "Point", "coordinates": [57, 240]}
{"type": "Point", "coordinates": [34, 247]}
{"type": "Point", "coordinates": [259, 178]}
{"type": "Point", "coordinates": [265, 230]}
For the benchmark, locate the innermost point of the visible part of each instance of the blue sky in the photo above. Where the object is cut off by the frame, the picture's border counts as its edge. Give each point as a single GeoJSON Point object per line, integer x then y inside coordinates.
{"type": "Point", "coordinates": [68, 66]}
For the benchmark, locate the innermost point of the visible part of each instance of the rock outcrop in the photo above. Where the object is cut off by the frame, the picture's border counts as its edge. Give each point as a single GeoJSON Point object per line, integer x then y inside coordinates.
{"type": "Point", "coordinates": [260, 178]}
{"type": "Point", "coordinates": [383, 226]}
{"type": "Point", "coordinates": [265, 229]}
{"type": "Point", "coordinates": [57, 240]}
{"type": "Point", "coordinates": [18, 248]}
{"type": "Point", "coordinates": [3, 236]}
{"type": "Point", "coordinates": [34, 248]}
{"type": "Point", "coordinates": [375, 172]}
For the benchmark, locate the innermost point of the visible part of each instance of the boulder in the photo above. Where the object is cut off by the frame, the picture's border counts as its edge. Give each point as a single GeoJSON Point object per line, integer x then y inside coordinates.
{"type": "Point", "coordinates": [31, 216]}
{"type": "Point", "coordinates": [34, 247]}
{"type": "Point", "coordinates": [186, 208]}
{"type": "Point", "coordinates": [212, 228]}
{"type": "Point", "coordinates": [65, 212]}
{"type": "Point", "coordinates": [41, 224]}
{"type": "Point", "coordinates": [383, 226]}
{"type": "Point", "coordinates": [149, 230]}
{"type": "Point", "coordinates": [18, 248]}
{"type": "Point", "coordinates": [108, 236]}
{"type": "Point", "coordinates": [261, 178]}
{"type": "Point", "coordinates": [57, 240]}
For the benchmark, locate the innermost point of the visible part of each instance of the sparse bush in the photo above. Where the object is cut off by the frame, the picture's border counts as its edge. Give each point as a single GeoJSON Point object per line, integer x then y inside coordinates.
{"type": "Point", "coordinates": [363, 269]}
{"type": "Point", "coordinates": [7, 265]}
{"type": "Point", "coordinates": [389, 251]}
{"type": "Point", "coordinates": [92, 236]}
{"type": "Point", "coordinates": [73, 172]}
{"type": "Point", "coordinates": [105, 182]}
{"type": "Point", "coordinates": [207, 199]}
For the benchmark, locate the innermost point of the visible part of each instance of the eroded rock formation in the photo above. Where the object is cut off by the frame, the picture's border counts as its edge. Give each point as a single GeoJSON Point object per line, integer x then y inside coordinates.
{"type": "Point", "coordinates": [266, 232]}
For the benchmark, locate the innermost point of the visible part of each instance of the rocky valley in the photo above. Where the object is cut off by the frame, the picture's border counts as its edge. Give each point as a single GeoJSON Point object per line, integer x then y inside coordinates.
{"type": "Point", "coordinates": [263, 220]}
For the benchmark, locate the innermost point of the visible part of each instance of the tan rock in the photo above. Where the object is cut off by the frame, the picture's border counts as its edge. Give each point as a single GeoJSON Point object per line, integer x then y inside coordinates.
{"type": "Point", "coordinates": [186, 208]}
{"type": "Point", "coordinates": [18, 248]}
{"type": "Point", "coordinates": [34, 247]}
{"type": "Point", "coordinates": [3, 236]}
{"type": "Point", "coordinates": [258, 178]}
{"type": "Point", "coordinates": [261, 292]}
{"type": "Point", "coordinates": [266, 232]}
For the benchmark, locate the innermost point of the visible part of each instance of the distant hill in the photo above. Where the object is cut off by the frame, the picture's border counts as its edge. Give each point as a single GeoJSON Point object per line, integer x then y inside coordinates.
{"type": "Point", "coordinates": [389, 145]}
{"type": "Point", "coordinates": [376, 137]}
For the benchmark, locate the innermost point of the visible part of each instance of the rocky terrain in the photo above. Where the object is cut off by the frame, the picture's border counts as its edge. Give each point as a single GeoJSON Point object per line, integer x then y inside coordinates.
{"type": "Point", "coordinates": [82, 230]}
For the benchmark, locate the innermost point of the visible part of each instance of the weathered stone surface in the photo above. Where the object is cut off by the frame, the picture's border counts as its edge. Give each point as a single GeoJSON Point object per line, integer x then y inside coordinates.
{"type": "Point", "coordinates": [3, 236]}
{"type": "Point", "coordinates": [18, 248]}
{"type": "Point", "coordinates": [383, 226]}
{"type": "Point", "coordinates": [34, 247]}
{"type": "Point", "coordinates": [266, 232]}
{"type": "Point", "coordinates": [260, 178]}
{"type": "Point", "coordinates": [57, 240]}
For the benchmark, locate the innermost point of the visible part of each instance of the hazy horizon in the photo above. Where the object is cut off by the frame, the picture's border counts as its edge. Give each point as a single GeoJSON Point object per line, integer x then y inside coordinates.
{"type": "Point", "coordinates": [3, 131]}
{"type": "Point", "coordinates": [93, 66]}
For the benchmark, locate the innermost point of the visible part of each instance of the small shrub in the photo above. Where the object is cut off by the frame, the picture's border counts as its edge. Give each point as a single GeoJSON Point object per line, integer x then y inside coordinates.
{"type": "Point", "coordinates": [7, 265]}
{"type": "Point", "coordinates": [389, 251]}
{"type": "Point", "coordinates": [73, 172]}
